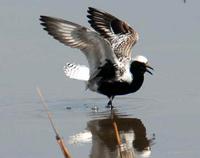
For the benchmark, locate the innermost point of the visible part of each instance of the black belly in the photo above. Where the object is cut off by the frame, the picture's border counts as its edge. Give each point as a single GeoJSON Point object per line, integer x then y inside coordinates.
{"type": "Point", "coordinates": [118, 88]}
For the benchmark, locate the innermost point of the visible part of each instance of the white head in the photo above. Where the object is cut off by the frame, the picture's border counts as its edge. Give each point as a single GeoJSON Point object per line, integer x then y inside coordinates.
{"type": "Point", "coordinates": [141, 59]}
{"type": "Point", "coordinates": [140, 64]}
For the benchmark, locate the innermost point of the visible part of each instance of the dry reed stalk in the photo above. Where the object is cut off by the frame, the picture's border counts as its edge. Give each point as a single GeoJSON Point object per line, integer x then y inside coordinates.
{"type": "Point", "coordinates": [59, 140]}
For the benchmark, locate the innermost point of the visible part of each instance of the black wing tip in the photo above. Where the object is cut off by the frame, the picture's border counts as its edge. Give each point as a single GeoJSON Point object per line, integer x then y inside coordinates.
{"type": "Point", "coordinates": [44, 21]}
{"type": "Point", "coordinates": [45, 18]}
{"type": "Point", "coordinates": [91, 9]}
{"type": "Point", "coordinates": [89, 16]}
{"type": "Point", "coordinates": [95, 11]}
{"type": "Point", "coordinates": [95, 15]}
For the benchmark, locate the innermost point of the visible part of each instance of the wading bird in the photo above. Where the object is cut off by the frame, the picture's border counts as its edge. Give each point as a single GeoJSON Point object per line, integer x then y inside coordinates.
{"type": "Point", "coordinates": [112, 71]}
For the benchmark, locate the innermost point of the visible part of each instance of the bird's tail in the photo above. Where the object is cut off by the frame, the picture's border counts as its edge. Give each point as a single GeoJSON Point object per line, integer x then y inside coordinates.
{"type": "Point", "coordinates": [78, 72]}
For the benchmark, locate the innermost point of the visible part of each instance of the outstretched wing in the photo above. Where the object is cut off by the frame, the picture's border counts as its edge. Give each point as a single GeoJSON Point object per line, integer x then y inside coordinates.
{"type": "Point", "coordinates": [78, 72]}
{"type": "Point", "coordinates": [96, 49]}
{"type": "Point", "coordinates": [121, 36]}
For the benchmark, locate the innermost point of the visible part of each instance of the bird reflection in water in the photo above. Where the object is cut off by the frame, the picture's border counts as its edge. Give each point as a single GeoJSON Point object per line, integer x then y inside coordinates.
{"type": "Point", "coordinates": [118, 136]}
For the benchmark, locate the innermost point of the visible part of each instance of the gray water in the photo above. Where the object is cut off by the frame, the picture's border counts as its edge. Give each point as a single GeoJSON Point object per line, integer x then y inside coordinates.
{"type": "Point", "coordinates": [167, 106]}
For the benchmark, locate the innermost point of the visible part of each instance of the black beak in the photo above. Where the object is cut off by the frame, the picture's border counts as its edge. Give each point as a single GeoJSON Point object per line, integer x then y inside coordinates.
{"type": "Point", "coordinates": [147, 69]}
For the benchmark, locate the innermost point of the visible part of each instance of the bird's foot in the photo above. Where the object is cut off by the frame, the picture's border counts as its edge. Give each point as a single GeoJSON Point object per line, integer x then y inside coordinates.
{"type": "Point", "coordinates": [109, 105]}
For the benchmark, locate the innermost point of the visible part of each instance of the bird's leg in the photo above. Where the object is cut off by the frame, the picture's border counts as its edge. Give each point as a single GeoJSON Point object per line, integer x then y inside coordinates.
{"type": "Point", "coordinates": [109, 105]}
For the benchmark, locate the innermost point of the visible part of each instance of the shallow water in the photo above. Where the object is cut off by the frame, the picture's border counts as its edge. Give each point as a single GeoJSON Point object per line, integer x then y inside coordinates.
{"type": "Point", "coordinates": [28, 132]}
{"type": "Point", "coordinates": [87, 129]}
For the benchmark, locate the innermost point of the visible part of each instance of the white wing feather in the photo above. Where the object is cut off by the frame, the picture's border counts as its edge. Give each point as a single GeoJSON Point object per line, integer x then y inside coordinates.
{"type": "Point", "coordinates": [96, 49]}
